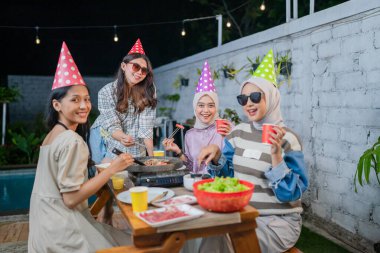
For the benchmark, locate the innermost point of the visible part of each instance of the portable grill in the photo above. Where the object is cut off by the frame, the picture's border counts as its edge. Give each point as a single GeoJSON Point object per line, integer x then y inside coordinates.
{"type": "Point", "coordinates": [168, 175]}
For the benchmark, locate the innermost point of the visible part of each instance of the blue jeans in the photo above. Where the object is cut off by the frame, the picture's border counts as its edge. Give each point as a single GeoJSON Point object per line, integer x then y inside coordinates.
{"type": "Point", "coordinates": [97, 145]}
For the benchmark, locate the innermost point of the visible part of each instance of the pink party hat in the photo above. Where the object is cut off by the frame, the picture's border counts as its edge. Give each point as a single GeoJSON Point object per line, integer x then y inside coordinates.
{"type": "Point", "coordinates": [67, 73]}
{"type": "Point", "coordinates": [205, 83]}
{"type": "Point", "coordinates": [137, 48]}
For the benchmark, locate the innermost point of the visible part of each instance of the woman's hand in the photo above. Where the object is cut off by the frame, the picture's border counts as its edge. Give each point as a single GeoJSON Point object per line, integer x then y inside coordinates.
{"type": "Point", "coordinates": [208, 154]}
{"type": "Point", "coordinates": [121, 162]}
{"type": "Point", "coordinates": [276, 139]}
{"type": "Point", "coordinates": [169, 145]}
{"type": "Point", "coordinates": [127, 140]}
{"type": "Point", "coordinates": [225, 129]}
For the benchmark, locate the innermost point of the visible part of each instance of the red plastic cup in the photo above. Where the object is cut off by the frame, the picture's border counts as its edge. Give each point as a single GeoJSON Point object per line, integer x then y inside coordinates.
{"type": "Point", "coordinates": [219, 123]}
{"type": "Point", "coordinates": [267, 128]}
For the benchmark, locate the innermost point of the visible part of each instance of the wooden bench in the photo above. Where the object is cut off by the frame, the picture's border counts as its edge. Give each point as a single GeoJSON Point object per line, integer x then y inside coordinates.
{"type": "Point", "coordinates": [174, 243]}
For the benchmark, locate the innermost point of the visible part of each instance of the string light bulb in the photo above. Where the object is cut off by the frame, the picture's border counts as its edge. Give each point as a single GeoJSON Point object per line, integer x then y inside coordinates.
{"type": "Point", "coordinates": [115, 38]}
{"type": "Point", "coordinates": [228, 24]}
{"type": "Point", "coordinates": [262, 6]}
{"type": "Point", "coordinates": [183, 32]}
{"type": "Point", "coordinates": [38, 41]}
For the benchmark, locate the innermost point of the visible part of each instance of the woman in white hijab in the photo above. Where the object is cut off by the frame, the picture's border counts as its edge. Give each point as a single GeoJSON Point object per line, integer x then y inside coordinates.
{"type": "Point", "coordinates": [204, 133]}
{"type": "Point", "coordinates": [278, 170]}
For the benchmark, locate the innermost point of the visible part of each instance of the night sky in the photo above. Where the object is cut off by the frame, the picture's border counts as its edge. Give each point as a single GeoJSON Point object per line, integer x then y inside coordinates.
{"type": "Point", "coordinates": [94, 50]}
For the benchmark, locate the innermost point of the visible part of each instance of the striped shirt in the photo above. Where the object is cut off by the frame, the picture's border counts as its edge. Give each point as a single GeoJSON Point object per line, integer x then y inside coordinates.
{"type": "Point", "coordinates": [277, 190]}
{"type": "Point", "coordinates": [137, 125]}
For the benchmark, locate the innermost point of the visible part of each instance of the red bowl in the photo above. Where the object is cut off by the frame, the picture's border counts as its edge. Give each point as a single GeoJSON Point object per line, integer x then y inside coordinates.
{"type": "Point", "coordinates": [224, 202]}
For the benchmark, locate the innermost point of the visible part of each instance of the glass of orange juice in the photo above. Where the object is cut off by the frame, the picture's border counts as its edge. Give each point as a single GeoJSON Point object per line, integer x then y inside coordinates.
{"type": "Point", "coordinates": [139, 198]}
{"type": "Point", "coordinates": [158, 153]}
{"type": "Point", "coordinates": [118, 181]}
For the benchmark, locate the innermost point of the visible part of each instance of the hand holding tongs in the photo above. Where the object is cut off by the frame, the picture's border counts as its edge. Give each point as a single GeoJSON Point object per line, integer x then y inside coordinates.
{"type": "Point", "coordinates": [106, 134]}
{"type": "Point", "coordinates": [178, 127]}
{"type": "Point", "coordinates": [118, 152]}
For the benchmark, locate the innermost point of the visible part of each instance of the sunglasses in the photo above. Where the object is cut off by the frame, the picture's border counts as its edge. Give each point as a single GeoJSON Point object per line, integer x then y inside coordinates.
{"type": "Point", "coordinates": [136, 68]}
{"type": "Point", "coordinates": [255, 97]}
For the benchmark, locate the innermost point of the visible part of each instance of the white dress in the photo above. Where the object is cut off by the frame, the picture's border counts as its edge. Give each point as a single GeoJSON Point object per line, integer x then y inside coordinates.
{"type": "Point", "coordinates": [62, 167]}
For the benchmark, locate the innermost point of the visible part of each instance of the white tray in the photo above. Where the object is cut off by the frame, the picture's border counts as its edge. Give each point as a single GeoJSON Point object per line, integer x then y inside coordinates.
{"type": "Point", "coordinates": [175, 201]}
{"type": "Point", "coordinates": [191, 213]}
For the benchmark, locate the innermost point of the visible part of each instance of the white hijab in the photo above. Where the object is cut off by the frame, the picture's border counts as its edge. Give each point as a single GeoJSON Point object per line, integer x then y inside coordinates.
{"type": "Point", "coordinates": [198, 123]}
{"type": "Point", "coordinates": [272, 99]}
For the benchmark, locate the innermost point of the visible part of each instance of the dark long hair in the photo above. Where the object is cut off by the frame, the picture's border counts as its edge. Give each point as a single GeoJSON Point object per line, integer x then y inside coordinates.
{"type": "Point", "coordinates": [142, 94]}
{"type": "Point", "coordinates": [52, 115]}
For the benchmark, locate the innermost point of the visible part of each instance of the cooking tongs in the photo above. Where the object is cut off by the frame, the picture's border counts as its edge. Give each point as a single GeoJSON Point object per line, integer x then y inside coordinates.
{"type": "Point", "coordinates": [118, 152]}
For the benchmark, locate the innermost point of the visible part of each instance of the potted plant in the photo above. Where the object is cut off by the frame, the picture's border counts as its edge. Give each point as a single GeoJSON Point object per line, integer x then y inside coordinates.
{"type": "Point", "coordinates": [254, 64]}
{"type": "Point", "coordinates": [284, 64]}
{"type": "Point", "coordinates": [231, 115]}
{"type": "Point", "coordinates": [228, 71]}
{"type": "Point", "coordinates": [368, 161]}
{"type": "Point", "coordinates": [184, 81]}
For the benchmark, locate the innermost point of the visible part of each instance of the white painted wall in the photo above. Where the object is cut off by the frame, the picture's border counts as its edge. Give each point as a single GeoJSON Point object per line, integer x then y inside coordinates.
{"type": "Point", "coordinates": [332, 103]}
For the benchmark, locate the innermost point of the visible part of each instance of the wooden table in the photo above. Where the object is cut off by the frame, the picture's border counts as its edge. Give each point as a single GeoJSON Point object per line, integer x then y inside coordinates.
{"type": "Point", "coordinates": [148, 239]}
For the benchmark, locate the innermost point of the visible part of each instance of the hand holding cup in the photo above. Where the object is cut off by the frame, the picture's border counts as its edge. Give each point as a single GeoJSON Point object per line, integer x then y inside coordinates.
{"type": "Point", "coordinates": [223, 127]}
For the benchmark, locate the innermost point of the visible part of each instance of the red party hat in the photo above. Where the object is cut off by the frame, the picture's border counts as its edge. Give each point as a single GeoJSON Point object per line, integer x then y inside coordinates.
{"type": "Point", "coordinates": [67, 73]}
{"type": "Point", "coordinates": [137, 48]}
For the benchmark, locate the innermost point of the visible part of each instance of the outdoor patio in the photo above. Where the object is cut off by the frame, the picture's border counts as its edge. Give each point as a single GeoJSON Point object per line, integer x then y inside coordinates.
{"type": "Point", "coordinates": [329, 81]}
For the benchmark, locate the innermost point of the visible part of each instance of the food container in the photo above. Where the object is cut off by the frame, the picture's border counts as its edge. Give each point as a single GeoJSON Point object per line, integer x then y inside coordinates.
{"type": "Point", "coordinates": [224, 202]}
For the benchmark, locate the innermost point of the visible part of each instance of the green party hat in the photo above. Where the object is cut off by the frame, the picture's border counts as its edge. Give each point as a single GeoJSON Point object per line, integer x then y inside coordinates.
{"type": "Point", "coordinates": [266, 69]}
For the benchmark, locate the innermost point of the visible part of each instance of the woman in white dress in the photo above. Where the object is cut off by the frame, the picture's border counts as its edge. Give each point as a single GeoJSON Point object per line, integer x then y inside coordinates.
{"type": "Point", "coordinates": [60, 220]}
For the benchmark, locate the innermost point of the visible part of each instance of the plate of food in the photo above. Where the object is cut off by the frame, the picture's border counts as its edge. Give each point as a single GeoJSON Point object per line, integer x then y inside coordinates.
{"type": "Point", "coordinates": [152, 193]}
{"type": "Point", "coordinates": [169, 215]}
{"type": "Point", "coordinates": [178, 200]}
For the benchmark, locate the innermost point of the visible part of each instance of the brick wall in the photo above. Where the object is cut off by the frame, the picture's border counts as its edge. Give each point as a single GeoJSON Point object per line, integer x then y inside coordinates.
{"type": "Point", "coordinates": [332, 102]}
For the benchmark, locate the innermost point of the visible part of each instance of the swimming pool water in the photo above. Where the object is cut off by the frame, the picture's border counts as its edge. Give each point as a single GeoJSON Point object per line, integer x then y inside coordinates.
{"type": "Point", "coordinates": [15, 189]}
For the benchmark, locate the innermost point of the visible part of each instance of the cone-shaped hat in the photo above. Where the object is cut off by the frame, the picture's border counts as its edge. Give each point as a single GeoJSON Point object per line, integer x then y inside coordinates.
{"type": "Point", "coordinates": [137, 48]}
{"type": "Point", "coordinates": [67, 73]}
{"type": "Point", "coordinates": [266, 69]}
{"type": "Point", "coordinates": [205, 83]}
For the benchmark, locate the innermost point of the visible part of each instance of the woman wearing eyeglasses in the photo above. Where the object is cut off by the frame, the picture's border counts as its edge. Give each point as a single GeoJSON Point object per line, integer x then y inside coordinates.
{"type": "Point", "coordinates": [277, 170]}
{"type": "Point", "coordinates": [127, 110]}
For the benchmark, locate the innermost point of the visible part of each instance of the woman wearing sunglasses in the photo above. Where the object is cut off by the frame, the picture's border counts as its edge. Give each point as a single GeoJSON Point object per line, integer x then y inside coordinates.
{"type": "Point", "coordinates": [277, 170]}
{"type": "Point", "coordinates": [127, 113]}
{"type": "Point", "coordinates": [127, 110]}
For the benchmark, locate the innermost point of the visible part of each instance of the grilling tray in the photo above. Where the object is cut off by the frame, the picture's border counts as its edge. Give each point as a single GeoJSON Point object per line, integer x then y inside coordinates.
{"type": "Point", "coordinates": [165, 175]}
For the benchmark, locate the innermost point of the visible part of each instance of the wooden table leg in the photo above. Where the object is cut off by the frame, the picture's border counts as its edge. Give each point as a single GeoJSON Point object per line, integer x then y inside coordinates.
{"type": "Point", "coordinates": [245, 241]}
{"type": "Point", "coordinates": [103, 196]}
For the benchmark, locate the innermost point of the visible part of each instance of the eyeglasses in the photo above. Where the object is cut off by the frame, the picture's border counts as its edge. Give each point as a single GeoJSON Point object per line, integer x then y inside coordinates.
{"type": "Point", "coordinates": [255, 97]}
{"type": "Point", "coordinates": [136, 68]}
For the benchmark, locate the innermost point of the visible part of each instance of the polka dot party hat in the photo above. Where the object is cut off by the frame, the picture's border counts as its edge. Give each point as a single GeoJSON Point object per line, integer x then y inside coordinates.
{"type": "Point", "coordinates": [67, 73]}
{"type": "Point", "coordinates": [137, 48]}
{"type": "Point", "coordinates": [266, 69]}
{"type": "Point", "coordinates": [205, 83]}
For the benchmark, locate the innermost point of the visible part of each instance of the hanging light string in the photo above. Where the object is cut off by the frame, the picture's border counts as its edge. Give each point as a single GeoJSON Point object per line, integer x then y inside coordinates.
{"type": "Point", "coordinates": [119, 26]}
{"type": "Point", "coordinates": [116, 38]}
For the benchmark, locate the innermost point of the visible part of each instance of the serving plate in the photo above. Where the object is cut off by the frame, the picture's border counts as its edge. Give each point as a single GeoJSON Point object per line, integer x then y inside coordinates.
{"type": "Point", "coordinates": [168, 215]}
{"type": "Point", "coordinates": [153, 192]}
